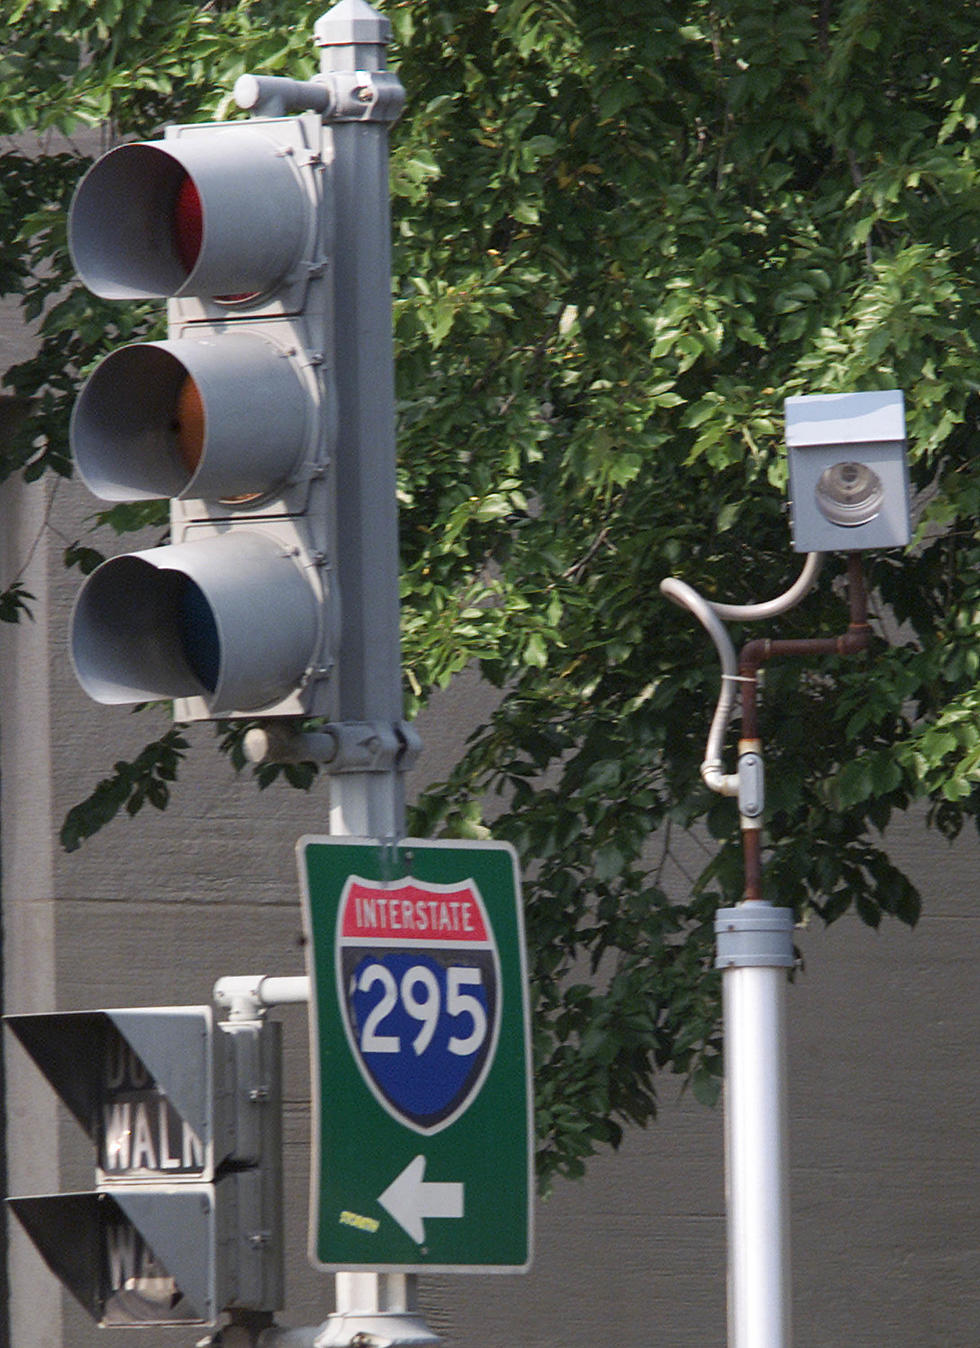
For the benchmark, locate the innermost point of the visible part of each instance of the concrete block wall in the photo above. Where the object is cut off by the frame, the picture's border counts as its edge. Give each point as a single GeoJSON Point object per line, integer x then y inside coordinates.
{"type": "Point", "coordinates": [884, 1068]}
{"type": "Point", "coordinates": [885, 1073]}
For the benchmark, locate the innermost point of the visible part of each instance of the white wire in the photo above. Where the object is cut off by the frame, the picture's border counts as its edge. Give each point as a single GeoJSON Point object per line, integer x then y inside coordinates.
{"type": "Point", "coordinates": [771, 607]}
{"type": "Point", "coordinates": [682, 593]}
{"type": "Point", "coordinates": [710, 614]}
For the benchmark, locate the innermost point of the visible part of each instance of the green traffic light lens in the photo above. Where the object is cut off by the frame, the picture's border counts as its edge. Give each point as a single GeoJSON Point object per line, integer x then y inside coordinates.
{"type": "Point", "coordinates": [198, 634]}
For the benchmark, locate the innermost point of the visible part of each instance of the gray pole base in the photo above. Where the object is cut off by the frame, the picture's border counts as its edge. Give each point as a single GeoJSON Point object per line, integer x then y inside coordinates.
{"type": "Point", "coordinates": [377, 1329]}
{"type": "Point", "coordinates": [755, 948]}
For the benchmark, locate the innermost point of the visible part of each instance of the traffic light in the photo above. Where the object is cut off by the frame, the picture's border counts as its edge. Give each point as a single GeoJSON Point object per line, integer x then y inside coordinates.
{"type": "Point", "coordinates": [231, 418]}
{"type": "Point", "coordinates": [185, 1116]}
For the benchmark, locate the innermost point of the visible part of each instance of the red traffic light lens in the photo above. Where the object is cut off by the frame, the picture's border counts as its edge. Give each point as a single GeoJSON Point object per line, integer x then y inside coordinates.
{"type": "Point", "coordinates": [188, 223]}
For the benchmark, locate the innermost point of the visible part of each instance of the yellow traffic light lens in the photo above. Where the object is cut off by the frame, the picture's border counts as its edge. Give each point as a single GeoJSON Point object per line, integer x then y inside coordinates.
{"type": "Point", "coordinates": [849, 494]}
{"type": "Point", "coordinates": [189, 425]}
{"type": "Point", "coordinates": [188, 428]}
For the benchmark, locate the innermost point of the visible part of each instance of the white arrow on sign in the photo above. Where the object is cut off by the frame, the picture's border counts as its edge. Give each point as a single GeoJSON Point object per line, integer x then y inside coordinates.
{"type": "Point", "coordinates": [410, 1198]}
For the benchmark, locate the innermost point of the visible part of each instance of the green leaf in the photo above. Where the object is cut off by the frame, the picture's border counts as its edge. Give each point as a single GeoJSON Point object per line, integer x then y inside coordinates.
{"type": "Point", "coordinates": [15, 603]}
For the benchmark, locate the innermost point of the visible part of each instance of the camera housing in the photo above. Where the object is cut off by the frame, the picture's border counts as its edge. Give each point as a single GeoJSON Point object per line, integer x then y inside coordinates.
{"type": "Point", "coordinates": [848, 475]}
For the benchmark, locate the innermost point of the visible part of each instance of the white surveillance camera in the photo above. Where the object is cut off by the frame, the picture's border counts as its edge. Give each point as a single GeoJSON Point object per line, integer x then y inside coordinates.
{"type": "Point", "coordinates": [848, 478]}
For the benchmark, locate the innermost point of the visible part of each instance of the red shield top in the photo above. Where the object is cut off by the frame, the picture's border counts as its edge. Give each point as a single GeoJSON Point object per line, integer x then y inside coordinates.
{"type": "Point", "coordinates": [405, 911]}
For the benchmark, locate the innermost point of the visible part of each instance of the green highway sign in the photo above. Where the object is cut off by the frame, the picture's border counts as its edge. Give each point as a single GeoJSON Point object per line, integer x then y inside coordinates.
{"type": "Point", "coordinates": [422, 1129]}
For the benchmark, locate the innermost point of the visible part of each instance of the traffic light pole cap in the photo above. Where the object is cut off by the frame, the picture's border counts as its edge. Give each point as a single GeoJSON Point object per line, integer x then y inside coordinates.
{"type": "Point", "coordinates": [352, 23]}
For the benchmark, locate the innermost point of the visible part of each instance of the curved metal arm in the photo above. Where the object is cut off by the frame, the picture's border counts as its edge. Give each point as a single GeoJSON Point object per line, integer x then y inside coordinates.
{"type": "Point", "coordinates": [711, 769]}
{"type": "Point", "coordinates": [769, 608]}
{"type": "Point", "coordinates": [710, 615]}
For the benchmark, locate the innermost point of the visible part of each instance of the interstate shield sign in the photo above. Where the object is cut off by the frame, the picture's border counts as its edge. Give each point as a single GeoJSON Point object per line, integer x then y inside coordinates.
{"type": "Point", "coordinates": [420, 1055]}
{"type": "Point", "coordinates": [418, 977]}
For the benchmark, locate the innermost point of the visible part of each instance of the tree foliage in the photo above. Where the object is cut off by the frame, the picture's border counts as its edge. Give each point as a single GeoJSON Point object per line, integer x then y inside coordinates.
{"type": "Point", "coordinates": [623, 235]}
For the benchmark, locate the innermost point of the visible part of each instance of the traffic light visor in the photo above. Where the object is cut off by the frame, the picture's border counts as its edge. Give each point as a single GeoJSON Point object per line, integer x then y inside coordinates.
{"type": "Point", "coordinates": [110, 1265]}
{"type": "Point", "coordinates": [231, 619]}
{"type": "Point", "coordinates": [225, 418]}
{"type": "Point", "coordinates": [221, 214]}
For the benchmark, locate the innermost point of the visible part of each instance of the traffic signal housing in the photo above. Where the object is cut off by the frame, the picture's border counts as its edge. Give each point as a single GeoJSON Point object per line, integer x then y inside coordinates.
{"type": "Point", "coordinates": [231, 418]}
{"type": "Point", "coordinates": [184, 1113]}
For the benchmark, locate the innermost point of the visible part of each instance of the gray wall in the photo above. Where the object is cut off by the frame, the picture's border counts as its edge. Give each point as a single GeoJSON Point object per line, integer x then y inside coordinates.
{"type": "Point", "coordinates": [885, 1081]}
{"type": "Point", "coordinates": [884, 1072]}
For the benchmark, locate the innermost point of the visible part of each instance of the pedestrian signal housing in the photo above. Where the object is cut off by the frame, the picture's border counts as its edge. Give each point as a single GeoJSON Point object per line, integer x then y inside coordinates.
{"type": "Point", "coordinates": [184, 1114]}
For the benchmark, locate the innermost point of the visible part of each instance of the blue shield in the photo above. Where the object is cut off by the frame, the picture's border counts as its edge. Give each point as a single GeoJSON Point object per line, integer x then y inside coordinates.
{"type": "Point", "coordinates": [418, 980]}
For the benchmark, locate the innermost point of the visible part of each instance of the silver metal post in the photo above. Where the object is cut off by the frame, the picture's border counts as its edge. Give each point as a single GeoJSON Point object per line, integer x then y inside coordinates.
{"type": "Point", "coordinates": [755, 948]}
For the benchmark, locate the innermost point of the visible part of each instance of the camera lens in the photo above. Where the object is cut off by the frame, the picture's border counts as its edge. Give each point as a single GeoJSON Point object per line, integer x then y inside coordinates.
{"type": "Point", "coordinates": [849, 494]}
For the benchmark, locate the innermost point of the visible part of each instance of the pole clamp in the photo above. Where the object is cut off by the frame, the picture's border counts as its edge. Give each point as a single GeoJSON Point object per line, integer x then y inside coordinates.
{"type": "Point", "coordinates": [373, 746]}
{"type": "Point", "coordinates": [362, 95]}
{"type": "Point", "coordinates": [754, 935]}
{"type": "Point", "coordinates": [751, 783]}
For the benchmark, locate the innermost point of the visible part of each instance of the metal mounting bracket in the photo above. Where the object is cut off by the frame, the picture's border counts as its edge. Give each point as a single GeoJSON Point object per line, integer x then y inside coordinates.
{"type": "Point", "coordinates": [342, 746]}
{"type": "Point", "coordinates": [338, 95]}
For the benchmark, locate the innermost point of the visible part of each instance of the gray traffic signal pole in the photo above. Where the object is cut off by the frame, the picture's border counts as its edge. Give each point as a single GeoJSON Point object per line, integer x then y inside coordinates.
{"type": "Point", "coordinates": [364, 802]}
{"type": "Point", "coordinates": [339, 621]}
{"type": "Point", "coordinates": [369, 747]}
{"type": "Point", "coordinates": [352, 38]}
